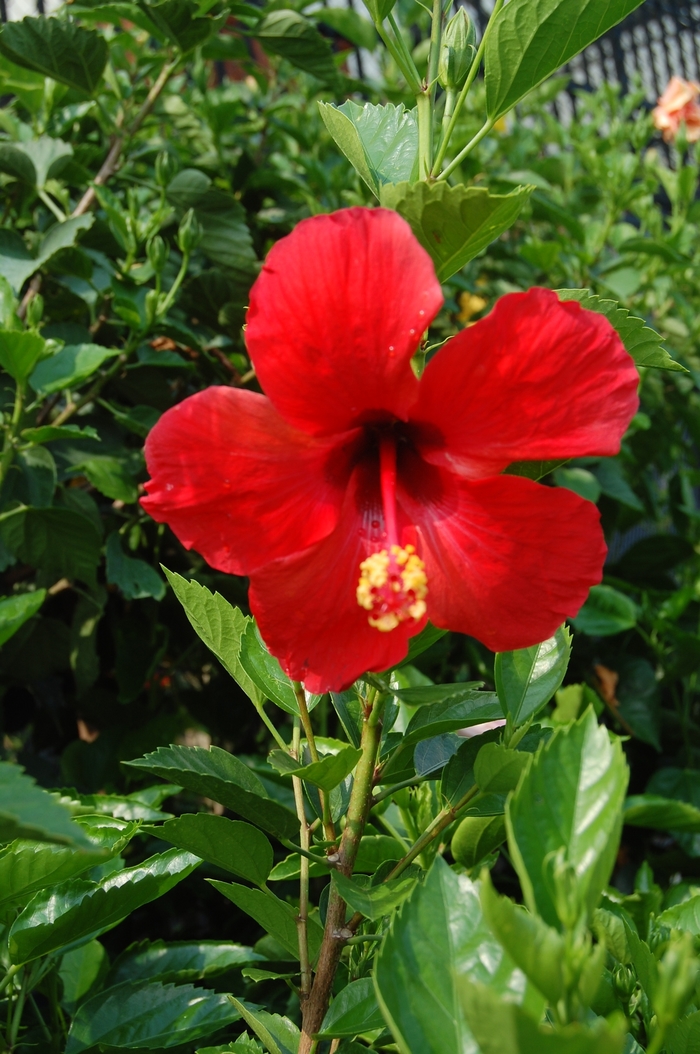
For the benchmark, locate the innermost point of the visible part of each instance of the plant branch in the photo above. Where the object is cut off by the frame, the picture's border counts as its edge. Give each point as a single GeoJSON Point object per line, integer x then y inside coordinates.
{"type": "Point", "coordinates": [483, 131]}
{"type": "Point", "coordinates": [8, 448]}
{"type": "Point", "coordinates": [328, 826]}
{"type": "Point", "coordinates": [443, 819]}
{"type": "Point", "coordinates": [303, 913]}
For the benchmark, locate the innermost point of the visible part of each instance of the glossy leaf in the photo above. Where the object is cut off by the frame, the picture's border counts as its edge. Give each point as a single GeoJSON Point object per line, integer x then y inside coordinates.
{"type": "Point", "coordinates": [380, 142]}
{"type": "Point", "coordinates": [80, 908]}
{"type": "Point", "coordinates": [438, 934]}
{"type": "Point", "coordinates": [81, 971]}
{"type": "Point", "coordinates": [135, 578]}
{"type": "Point", "coordinates": [27, 866]}
{"type": "Point", "coordinates": [69, 367]}
{"type": "Point", "coordinates": [527, 44]}
{"type": "Point", "coordinates": [527, 679]}
{"type": "Point", "coordinates": [476, 838]}
{"type": "Point", "coordinates": [458, 777]}
{"type": "Point", "coordinates": [353, 1011]}
{"type": "Point", "coordinates": [265, 671]}
{"type": "Point", "coordinates": [430, 694]}
{"type": "Point", "coordinates": [606, 612]}
{"type": "Point", "coordinates": [497, 768]}
{"type": "Point", "coordinates": [148, 1017]}
{"type": "Point", "coordinates": [570, 799]}
{"type": "Point", "coordinates": [220, 625]}
{"type": "Point", "coordinates": [457, 711]}
{"type": "Point", "coordinates": [179, 961]}
{"type": "Point", "coordinates": [58, 49]}
{"type": "Point", "coordinates": [666, 814]}
{"type": "Point", "coordinates": [275, 916]}
{"type": "Point", "coordinates": [49, 433]}
{"type": "Point", "coordinates": [219, 775]}
{"type": "Point", "coordinates": [27, 811]}
{"type": "Point", "coordinates": [16, 610]}
{"type": "Point", "coordinates": [279, 1034]}
{"type": "Point", "coordinates": [454, 224]}
{"type": "Point", "coordinates": [293, 37]}
{"type": "Point", "coordinates": [230, 844]}
{"type": "Point", "coordinates": [326, 773]}
{"type": "Point", "coordinates": [377, 901]}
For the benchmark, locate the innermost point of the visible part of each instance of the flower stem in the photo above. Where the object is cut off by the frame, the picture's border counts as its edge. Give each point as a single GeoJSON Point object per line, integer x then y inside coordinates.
{"type": "Point", "coordinates": [335, 933]}
{"type": "Point", "coordinates": [483, 131]}
{"type": "Point", "coordinates": [328, 826]}
{"type": "Point", "coordinates": [303, 913]}
{"type": "Point", "coordinates": [424, 110]}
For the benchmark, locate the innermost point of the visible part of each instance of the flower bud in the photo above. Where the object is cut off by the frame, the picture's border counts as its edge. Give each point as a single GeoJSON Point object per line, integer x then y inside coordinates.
{"type": "Point", "coordinates": [35, 311]}
{"type": "Point", "coordinates": [166, 168]}
{"type": "Point", "coordinates": [152, 303]}
{"type": "Point", "coordinates": [158, 253]}
{"type": "Point", "coordinates": [457, 52]}
{"type": "Point", "coordinates": [624, 981]}
{"type": "Point", "coordinates": [190, 232]}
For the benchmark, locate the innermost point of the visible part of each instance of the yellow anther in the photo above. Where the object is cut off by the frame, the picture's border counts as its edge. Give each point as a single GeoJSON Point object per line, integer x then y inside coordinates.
{"type": "Point", "coordinates": [392, 586]}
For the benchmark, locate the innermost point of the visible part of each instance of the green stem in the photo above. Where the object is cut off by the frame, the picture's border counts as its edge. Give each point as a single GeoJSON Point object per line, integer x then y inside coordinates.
{"type": "Point", "coordinates": [271, 728]}
{"type": "Point", "coordinates": [42, 1024]}
{"type": "Point", "coordinates": [8, 448]}
{"type": "Point", "coordinates": [434, 55]}
{"type": "Point", "coordinates": [328, 825]}
{"type": "Point", "coordinates": [52, 206]}
{"type": "Point", "coordinates": [414, 781]}
{"type": "Point", "coordinates": [483, 131]}
{"type": "Point", "coordinates": [450, 98]}
{"type": "Point", "coordinates": [400, 54]}
{"type": "Point", "coordinates": [289, 844]}
{"type": "Point", "coordinates": [443, 819]}
{"type": "Point", "coordinates": [19, 1010]}
{"type": "Point", "coordinates": [8, 977]}
{"type": "Point", "coordinates": [424, 110]}
{"type": "Point", "coordinates": [465, 91]}
{"type": "Point", "coordinates": [303, 913]}
{"type": "Point", "coordinates": [172, 292]}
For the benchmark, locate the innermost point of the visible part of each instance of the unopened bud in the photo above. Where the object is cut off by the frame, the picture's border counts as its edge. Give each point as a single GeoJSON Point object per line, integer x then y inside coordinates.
{"type": "Point", "coordinates": [624, 981]}
{"type": "Point", "coordinates": [190, 232]}
{"type": "Point", "coordinates": [35, 311]}
{"type": "Point", "coordinates": [458, 51]}
{"type": "Point", "coordinates": [151, 305]}
{"type": "Point", "coordinates": [166, 167]}
{"type": "Point", "coordinates": [158, 253]}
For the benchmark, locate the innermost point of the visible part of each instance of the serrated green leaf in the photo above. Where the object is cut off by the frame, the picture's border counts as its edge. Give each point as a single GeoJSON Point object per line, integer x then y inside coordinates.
{"type": "Point", "coordinates": [326, 773]}
{"type": "Point", "coordinates": [219, 775]}
{"type": "Point", "coordinates": [57, 542]}
{"type": "Point", "coordinates": [528, 678]}
{"type": "Point", "coordinates": [380, 142]}
{"type": "Point", "coordinates": [27, 866]}
{"type": "Point", "coordinates": [35, 161]}
{"type": "Point", "coordinates": [453, 224]}
{"type": "Point", "coordinates": [642, 342]}
{"type": "Point", "coordinates": [458, 710]}
{"type": "Point", "coordinates": [58, 49]}
{"type": "Point", "coordinates": [27, 811]}
{"type": "Point", "coordinates": [279, 1034]}
{"type": "Point", "coordinates": [178, 22]}
{"type": "Point", "coordinates": [293, 37]}
{"type": "Point", "coordinates": [69, 367]}
{"type": "Point", "coordinates": [81, 971]}
{"type": "Point", "coordinates": [476, 838]}
{"type": "Point", "coordinates": [230, 844]}
{"type": "Point", "coordinates": [498, 768]}
{"type": "Point", "coordinates": [575, 788]}
{"type": "Point", "coordinates": [275, 916]}
{"type": "Point", "coordinates": [374, 902]}
{"type": "Point", "coordinates": [666, 814]}
{"type": "Point", "coordinates": [265, 671]}
{"type": "Point", "coordinates": [527, 44]}
{"type": "Point", "coordinates": [135, 578]}
{"type": "Point", "coordinates": [18, 264]}
{"type": "Point", "coordinates": [179, 961]}
{"type": "Point", "coordinates": [16, 610]}
{"type": "Point", "coordinates": [606, 612]}
{"type": "Point", "coordinates": [685, 916]}
{"type": "Point", "coordinates": [353, 1011]}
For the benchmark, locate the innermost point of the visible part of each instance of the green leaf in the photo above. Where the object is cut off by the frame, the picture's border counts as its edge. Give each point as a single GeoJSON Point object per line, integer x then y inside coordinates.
{"type": "Point", "coordinates": [422, 641]}
{"type": "Point", "coordinates": [666, 814]}
{"type": "Point", "coordinates": [79, 909]}
{"type": "Point", "coordinates": [684, 1036]}
{"type": "Point", "coordinates": [16, 610]}
{"type": "Point", "coordinates": [111, 477]}
{"type": "Point", "coordinates": [135, 578]}
{"type": "Point", "coordinates": [380, 142]}
{"type": "Point", "coordinates": [326, 773]}
{"type": "Point", "coordinates": [27, 866]}
{"type": "Point", "coordinates": [230, 844]}
{"type": "Point", "coordinates": [454, 224]}
{"type": "Point", "coordinates": [265, 671]}
{"type": "Point", "coordinates": [353, 1011]}
{"type": "Point", "coordinates": [58, 49]}
{"type": "Point", "coordinates": [20, 352]}
{"type": "Point", "coordinates": [69, 367]}
{"type": "Point", "coordinates": [527, 43]}
{"type": "Point", "coordinates": [81, 971]}
{"type": "Point", "coordinates": [461, 709]}
{"type": "Point", "coordinates": [220, 625]}
{"type": "Point", "coordinates": [528, 678]}
{"type": "Point", "coordinates": [532, 945]}
{"type": "Point", "coordinates": [151, 1017]}
{"type": "Point", "coordinates": [178, 22]}
{"type": "Point", "coordinates": [431, 694]}
{"type": "Point", "coordinates": [642, 342]}
{"type": "Point", "coordinates": [35, 161]}
{"type": "Point", "coordinates": [219, 775]}
{"type": "Point", "coordinates": [438, 934]}
{"type": "Point", "coordinates": [35, 481]}
{"type": "Point", "coordinates": [353, 27]}
{"type": "Point", "coordinates": [376, 901]}
{"type": "Point", "coordinates": [27, 811]}
{"type": "Point", "coordinates": [685, 916]}
{"type": "Point", "coordinates": [476, 838]}
{"type": "Point", "coordinates": [574, 792]}
{"type": "Point", "coordinates": [497, 768]}
{"type": "Point", "coordinates": [17, 264]}
{"type": "Point", "coordinates": [291, 36]}
{"type": "Point", "coordinates": [58, 542]}
{"type": "Point", "coordinates": [49, 433]}
{"type": "Point", "coordinates": [279, 1034]}
{"type": "Point", "coordinates": [179, 961]}
{"type": "Point", "coordinates": [606, 612]}
{"type": "Point", "coordinates": [458, 777]}
{"type": "Point", "coordinates": [274, 915]}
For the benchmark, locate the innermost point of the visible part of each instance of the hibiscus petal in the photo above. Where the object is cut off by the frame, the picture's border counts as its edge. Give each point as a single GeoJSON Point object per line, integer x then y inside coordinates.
{"type": "Point", "coordinates": [507, 560]}
{"type": "Point", "coordinates": [238, 484]}
{"type": "Point", "coordinates": [335, 316]}
{"type": "Point", "coordinates": [306, 606]}
{"type": "Point", "coordinates": [536, 379]}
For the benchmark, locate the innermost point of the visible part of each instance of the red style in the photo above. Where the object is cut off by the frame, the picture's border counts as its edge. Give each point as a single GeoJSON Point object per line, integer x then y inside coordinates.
{"type": "Point", "coordinates": [362, 501]}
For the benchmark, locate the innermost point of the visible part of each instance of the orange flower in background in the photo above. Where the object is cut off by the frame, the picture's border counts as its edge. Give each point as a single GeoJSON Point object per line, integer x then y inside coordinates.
{"type": "Point", "coordinates": [679, 105]}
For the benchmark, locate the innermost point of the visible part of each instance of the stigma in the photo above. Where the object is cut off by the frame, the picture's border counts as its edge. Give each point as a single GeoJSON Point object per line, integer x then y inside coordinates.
{"type": "Point", "coordinates": [393, 586]}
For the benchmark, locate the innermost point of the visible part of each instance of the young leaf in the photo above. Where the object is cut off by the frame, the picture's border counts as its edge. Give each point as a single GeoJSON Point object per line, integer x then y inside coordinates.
{"type": "Point", "coordinates": [476, 838]}
{"type": "Point", "coordinates": [453, 224]}
{"type": "Point", "coordinates": [429, 694]}
{"type": "Point", "coordinates": [666, 814]}
{"type": "Point", "coordinates": [685, 916]}
{"type": "Point", "coordinates": [78, 909]}
{"type": "Point", "coordinates": [58, 49]}
{"type": "Point", "coordinates": [376, 901]}
{"type": "Point", "coordinates": [275, 916]}
{"type": "Point", "coordinates": [27, 811]}
{"type": "Point", "coordinates": [230, 844]}
{"type": "Point", "coordinates": [353, 1011]}
{"type": "Point", "coordinates": [642, 342]}
{"type": "Point", "coordinates": [150, 1016]}
{"type": "Point", "coordinates": [380, 142]}
{"type": "Point", "coordinates": [458, 777]}
{"type": "Point", "coordinates": [473, 708]}
{"type": "Point", "coordinates": [528, 678]}
{"type": "Point", "coordinates": [135, 578]}
{"type": "Point", "coordinates": [570, 799]}
{"type": "Point", "coordinates": [265, 671]}
{"type": "Point", "coordinates": [326, 773]}
{"type": "Point", "coordinates": [292, 37]}
{"type": "Point", "coordinates": [528, 43]}
{"type": "Point", "coordinates": [219, 775]}
{"type": "Point", "coordinates": [16, 610]}
{"type": "Point", "coordinates": [440, 933]}
{"type": "Point", "coordinates": [69, 367]}
{"type": "Point", "coordinates": [279, 1034]}
{"type": "Point", "coordinates": [606, 612]}
{"type": "Point", "coordinates": [179, 961]}
{"type": "Point", "coordinates": [220, 625]}
{"type": "Point", "coordinates": [26, 867]}
{"type": "Point", "coordinates": [49, 433]}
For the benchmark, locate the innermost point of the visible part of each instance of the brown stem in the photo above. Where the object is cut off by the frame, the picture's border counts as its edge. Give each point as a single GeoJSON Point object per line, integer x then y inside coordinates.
{"type": "Point", "coordinates": [335, 933]}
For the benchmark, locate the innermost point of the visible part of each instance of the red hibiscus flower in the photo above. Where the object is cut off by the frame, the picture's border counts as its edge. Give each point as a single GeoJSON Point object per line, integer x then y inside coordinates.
{"type": "Point", "coordinates": [362, 501]}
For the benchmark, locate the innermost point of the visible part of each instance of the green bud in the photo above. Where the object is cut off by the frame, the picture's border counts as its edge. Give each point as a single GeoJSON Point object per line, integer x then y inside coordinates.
{"type": "Point", "coordinates": [35, 311]}
{"type": "Point", "coordinates": [624, 982]}
{"type": "Point", "coordinates": [457, 52]}
{"type": "Point", "coordinates": [380, 9]}
{"type": "Point", "coordinates": [158, 253]}
{"type": "Point", "coordinates": [189, 233]}
{"type": "Point", "coordinates": [166, 167]}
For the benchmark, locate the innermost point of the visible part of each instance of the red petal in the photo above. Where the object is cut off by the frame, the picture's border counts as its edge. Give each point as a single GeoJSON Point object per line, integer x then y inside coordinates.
{"type": "Point", "coordinates": [238, 484]}
{"type": "Point", "coordinates": [307, 609]}
{"type": "Point", "coordinates": [335, 316]}
{"type": "Point", "coordinates": [507, 560]}
{"type": "Point", "coordinates": [536, 379]}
